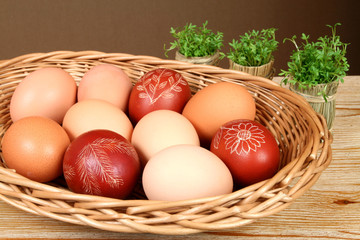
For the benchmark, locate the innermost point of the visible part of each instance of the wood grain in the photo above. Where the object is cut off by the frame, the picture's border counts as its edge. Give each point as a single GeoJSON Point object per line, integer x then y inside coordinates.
{"type": "Point", "coordinates": [329, 210]}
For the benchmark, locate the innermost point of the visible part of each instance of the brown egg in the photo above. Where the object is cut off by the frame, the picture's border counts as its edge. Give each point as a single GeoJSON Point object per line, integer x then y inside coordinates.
{"type": "Point", "coordinates": [217, 104]}
{"type": "Point", "coordinates": [34, 147]}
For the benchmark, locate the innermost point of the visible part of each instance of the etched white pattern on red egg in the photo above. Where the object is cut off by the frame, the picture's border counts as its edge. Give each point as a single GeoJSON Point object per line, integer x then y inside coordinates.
{"type": "Point", "coordinates": [241, 137]}
{"type": "Point", "coordinates": [152, 88]}
{"type": "Point", "coordinates": [93, 160]}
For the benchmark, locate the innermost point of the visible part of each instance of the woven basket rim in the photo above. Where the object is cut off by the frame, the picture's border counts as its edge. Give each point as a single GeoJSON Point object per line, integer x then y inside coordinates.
{"type": "Point", "coordinates": [236, 209]}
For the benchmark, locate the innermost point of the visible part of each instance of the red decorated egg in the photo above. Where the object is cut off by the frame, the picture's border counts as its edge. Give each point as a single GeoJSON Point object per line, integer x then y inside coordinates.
{"type": "Point", "coordinates": [103, 163]}
{"type": "Point", "coordinates": [248, 149]}
{"type": "Point", "coordinates": [158, 89]}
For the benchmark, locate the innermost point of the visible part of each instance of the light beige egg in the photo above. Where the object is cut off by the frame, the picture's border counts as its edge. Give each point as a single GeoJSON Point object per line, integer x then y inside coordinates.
{"type": "Point", "coordinates": [47, 92]}
{"type": "Point", "coordinates": [183, 172]}
{"type": "Point", "coordinates": [96, 114]}
{"type": "Point", "coordinates": [161, 129]}
{"type": "Point", "coordinates": [106, 82]}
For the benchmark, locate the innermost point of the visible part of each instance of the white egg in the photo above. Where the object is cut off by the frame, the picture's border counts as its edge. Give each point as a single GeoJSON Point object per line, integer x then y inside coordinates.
{"type": "Point", "coordinates": [185, 172]}
{"type": "Point", "coordinates": [161, 129]}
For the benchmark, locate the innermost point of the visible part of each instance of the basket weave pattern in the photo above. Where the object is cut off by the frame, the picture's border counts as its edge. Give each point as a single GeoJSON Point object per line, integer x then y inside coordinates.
{"type": "Point", "coordinates": [265, 70]}
{"type": "Point", "coordinates": [209, 60]}
{"type": "Point", "coordinates": [302, 134]}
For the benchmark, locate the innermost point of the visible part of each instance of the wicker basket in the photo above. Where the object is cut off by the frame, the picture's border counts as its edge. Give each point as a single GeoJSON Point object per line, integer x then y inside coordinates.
{"type": "Point", "coordinates": [302, 135]}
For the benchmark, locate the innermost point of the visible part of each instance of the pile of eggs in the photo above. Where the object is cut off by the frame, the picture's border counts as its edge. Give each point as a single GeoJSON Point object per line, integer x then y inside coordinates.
{"type": "Point", "coordinates": [106, 134]}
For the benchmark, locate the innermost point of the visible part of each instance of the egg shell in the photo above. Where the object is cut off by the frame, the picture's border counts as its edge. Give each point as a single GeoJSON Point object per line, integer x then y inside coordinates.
{"type": "Point", "coordinates": [217, 104]}
{"type": "Point", "coordinates": [94, 114]}
{"type": "Point", "coordinates": [158, 89]}
{"type": "Point", "coordinates": [248, 149]}
{"type": "Point", "coordinates": [103, 163]}
{"type": "Point", "coordinates": [106, 82]}
{"type": "Point", "coordinates": [161, 129]}
{"type": "Point", "coordinates": [47, 92]}
{"type": "Point", "coordinates": [183, 172]}
{"type": "Point", "coordinates": [34, 147]}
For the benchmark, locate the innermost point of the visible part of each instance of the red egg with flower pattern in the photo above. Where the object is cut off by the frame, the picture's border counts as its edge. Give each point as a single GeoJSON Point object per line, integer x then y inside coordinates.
{"type": "Point", "coordinates": [248, 149]}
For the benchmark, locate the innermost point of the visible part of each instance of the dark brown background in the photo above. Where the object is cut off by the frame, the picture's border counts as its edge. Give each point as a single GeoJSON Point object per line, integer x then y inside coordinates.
{"type": "Point", "coordinates": [142, 26]}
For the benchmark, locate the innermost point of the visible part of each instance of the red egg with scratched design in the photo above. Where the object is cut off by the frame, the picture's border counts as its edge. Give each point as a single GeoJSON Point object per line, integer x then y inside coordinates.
{"type": "Point", "coordinates": [158, 89]}
{"type": "Point", "coordinates": [248, 149]}
{"type": "Point", "coordinates": [103, 163]}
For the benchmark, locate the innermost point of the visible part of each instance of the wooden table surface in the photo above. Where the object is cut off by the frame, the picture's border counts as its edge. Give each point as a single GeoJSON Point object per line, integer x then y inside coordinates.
{"type": "Point", "coordinates": [329, 210]}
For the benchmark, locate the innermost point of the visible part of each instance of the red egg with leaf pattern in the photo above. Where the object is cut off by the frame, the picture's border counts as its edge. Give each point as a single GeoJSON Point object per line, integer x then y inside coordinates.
{"type": "Point", "coordinates": [248, 149]}
{"type": "Point", "coordinates": [158, 89]}
{"type": "Point", "coordinates": [103, 163]}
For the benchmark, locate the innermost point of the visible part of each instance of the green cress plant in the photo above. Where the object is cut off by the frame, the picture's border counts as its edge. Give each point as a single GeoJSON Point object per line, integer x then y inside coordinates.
{"type": "Point", "coordinates": [317, 62]}
{"type": "Point", "coordinates": [254, 48]}
{"type": "Point", "coordinates": [194, 41]}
